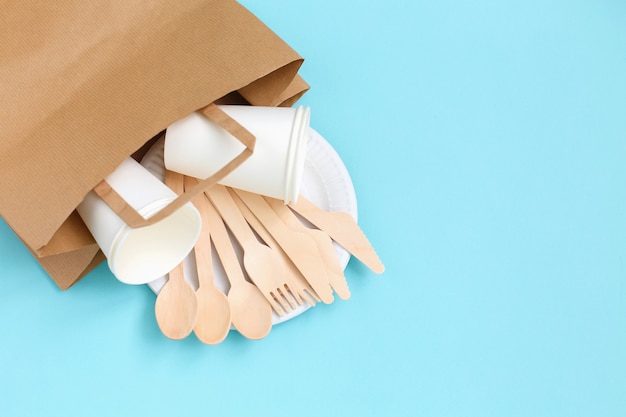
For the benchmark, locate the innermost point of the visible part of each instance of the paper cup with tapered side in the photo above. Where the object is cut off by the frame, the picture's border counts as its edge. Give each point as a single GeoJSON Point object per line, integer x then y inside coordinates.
{"type": "Point", "coordinates": [140, 255]}
{"type": "Point", "coordinates": [197, 147]}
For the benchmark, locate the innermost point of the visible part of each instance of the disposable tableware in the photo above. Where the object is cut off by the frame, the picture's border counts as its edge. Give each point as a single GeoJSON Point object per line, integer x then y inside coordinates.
{"type": "Point", "coordinates": [213, 321]}
{"type": "Point", "coordinates": [176, 306]}
{"type": "Point", "coordinates": [251, 314]}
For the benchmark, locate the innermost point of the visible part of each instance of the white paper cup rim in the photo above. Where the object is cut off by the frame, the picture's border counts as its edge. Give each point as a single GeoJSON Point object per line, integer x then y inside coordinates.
{"type": "Point", "coordinates": [297, 153]}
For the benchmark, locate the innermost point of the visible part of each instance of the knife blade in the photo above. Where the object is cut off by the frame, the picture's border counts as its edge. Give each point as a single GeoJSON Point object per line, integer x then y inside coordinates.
{"type": "Point", "coordinates": [343, 229]}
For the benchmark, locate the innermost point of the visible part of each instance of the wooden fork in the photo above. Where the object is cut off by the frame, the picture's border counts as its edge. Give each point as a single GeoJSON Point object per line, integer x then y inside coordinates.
{"type": "Point", "coordinates": [259, 260]}
{"type": "Point", "coordinates": [292, 279]}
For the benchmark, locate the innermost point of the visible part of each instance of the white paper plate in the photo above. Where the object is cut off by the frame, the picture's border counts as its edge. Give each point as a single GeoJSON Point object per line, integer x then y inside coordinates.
{"type": "Point", "coordinates": [326, 182]}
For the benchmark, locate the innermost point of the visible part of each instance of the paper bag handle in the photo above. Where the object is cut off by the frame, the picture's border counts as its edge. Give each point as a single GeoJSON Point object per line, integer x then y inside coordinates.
{"type": "Point", "coordinates": [135, 220]}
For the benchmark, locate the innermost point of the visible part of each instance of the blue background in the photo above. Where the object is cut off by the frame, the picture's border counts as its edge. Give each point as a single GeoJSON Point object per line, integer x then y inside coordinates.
{"type": "Point", "coordinates": [487, 144]}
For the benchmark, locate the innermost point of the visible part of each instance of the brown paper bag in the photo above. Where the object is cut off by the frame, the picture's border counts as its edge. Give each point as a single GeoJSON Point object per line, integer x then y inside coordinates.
{"type": "Point", "coordinates": [85, 84]}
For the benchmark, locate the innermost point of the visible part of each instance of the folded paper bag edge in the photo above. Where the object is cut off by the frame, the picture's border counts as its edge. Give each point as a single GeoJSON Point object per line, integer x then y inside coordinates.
{"type": "Point", "coordinates": [72, 235]}
{"type": "Point", "coordinates": [68, 268]}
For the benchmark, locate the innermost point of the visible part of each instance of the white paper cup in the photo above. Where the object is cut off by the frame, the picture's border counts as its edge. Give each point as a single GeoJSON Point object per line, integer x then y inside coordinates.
{"type": "Point", "coordinates": [197, 147]}
{"type": "Point", "coordinates": [141, 255]}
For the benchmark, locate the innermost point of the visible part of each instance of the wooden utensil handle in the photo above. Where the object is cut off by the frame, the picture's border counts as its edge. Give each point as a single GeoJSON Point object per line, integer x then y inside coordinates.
{"type": "Point", "coordinates": [202, 248]}
{"type": "Point", "coordinates": [223, 246]}
{"type": "Point", "coordinates": [300, 248]}
{"type": "Point", "coordinates": [324, 244]}
{"type": "Point", "coordinates": [226, 206]}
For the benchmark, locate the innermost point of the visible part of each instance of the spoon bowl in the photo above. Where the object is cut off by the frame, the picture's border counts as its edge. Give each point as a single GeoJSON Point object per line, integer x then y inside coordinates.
{"type": "Point", "coordinates": [176, 306]}
{"type": "Point", "coordinates": [250, 312]}
{"type": "Point", "coordinates": [213, 321]}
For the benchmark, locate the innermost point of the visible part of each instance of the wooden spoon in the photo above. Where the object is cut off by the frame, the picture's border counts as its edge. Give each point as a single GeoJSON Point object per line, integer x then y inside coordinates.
{"type": "Point", "coordinates": [260, 261]}
{"type": "Point", "coordinates": [250, 312]}
{"type": "Point", "coordinates": [176, 306]}
{"type": "Point", "coordinates": [213, 321]}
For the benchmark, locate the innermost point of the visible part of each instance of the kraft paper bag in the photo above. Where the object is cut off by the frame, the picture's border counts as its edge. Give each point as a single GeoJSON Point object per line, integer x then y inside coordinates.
{"type": "Point", "coordinates": [83, 85]}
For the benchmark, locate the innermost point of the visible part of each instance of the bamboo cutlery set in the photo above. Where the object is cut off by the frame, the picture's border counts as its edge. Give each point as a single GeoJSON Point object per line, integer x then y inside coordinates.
{"type": "Point", "coordinates": [288, 261]}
